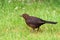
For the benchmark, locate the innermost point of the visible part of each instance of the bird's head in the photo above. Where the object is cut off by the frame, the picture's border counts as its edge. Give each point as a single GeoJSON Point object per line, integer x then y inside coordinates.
{"type": "Point", "coordinates": [25, 16]}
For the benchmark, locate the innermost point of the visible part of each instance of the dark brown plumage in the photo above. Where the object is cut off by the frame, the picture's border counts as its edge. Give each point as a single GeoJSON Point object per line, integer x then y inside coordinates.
{"type": "Point", "coordinates": [35, 22]}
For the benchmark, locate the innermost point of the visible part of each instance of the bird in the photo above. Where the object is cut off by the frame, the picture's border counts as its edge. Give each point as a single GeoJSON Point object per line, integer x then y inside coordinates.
{"type": "Point", "coordinates": [35, 22]}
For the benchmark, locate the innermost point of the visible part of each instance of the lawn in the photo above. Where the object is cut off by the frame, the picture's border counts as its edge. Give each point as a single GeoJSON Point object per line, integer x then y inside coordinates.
{"type": "Point", "coordinates": [13, 27]}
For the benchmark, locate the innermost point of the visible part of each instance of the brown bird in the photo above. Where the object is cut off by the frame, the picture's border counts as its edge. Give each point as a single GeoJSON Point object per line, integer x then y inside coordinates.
{"type": "Point", "coordinates": [35, 22]}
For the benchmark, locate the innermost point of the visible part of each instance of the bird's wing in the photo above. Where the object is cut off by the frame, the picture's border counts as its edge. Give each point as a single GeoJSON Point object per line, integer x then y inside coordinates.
{"type": "Point", "coordinates": [34, 20]}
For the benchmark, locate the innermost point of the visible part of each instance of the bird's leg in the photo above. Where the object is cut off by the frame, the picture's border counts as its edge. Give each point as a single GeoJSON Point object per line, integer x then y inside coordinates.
{"type": "Point", "coordinates": [33, 30]}
{"type": "Point", "coordinates": [38, 29]}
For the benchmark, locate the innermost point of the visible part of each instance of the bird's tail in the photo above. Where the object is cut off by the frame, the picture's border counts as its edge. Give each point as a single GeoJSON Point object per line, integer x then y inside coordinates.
{"type": "Point", "coordinates": [51, 22]}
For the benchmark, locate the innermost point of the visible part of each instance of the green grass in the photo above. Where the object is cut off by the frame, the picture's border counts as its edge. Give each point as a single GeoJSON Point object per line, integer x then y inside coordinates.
{"type": "Point", "coordinates": [13, 27]}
